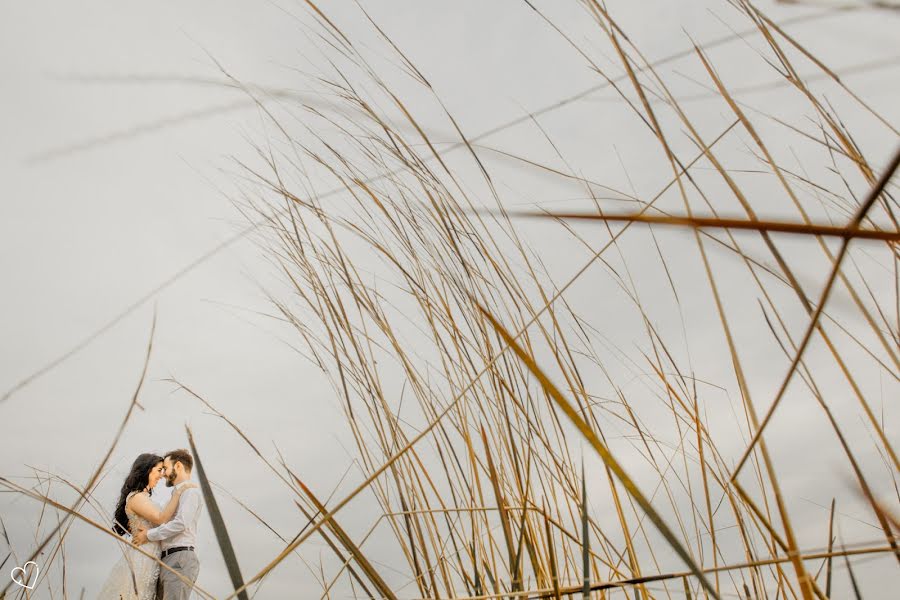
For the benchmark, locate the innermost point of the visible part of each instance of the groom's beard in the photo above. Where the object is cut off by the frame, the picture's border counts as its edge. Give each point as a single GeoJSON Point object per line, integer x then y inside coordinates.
{"type": "Point", "coordinates": [170, 481]}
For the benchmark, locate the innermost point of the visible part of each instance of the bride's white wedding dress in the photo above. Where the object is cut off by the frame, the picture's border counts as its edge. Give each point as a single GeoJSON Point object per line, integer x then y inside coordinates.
{"type": "Point", "coordinates": [134, 576]}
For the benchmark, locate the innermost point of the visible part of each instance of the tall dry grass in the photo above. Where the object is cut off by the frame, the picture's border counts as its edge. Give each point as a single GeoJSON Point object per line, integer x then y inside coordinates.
{"type": "Point", "coordinates": [470, 380]}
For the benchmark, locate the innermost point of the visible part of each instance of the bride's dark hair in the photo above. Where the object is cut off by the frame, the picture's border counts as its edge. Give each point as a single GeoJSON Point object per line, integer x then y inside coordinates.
{"type": "Point", "coordinates": [136, 481]}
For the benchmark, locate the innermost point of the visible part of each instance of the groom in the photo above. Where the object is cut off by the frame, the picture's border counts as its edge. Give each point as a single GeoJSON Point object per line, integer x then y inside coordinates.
{"type": "Point", "coordinates": [179, 536]}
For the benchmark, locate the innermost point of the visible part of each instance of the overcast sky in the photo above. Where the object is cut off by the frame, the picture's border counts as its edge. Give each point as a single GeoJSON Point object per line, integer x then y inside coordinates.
{"type": "Point", "coordinates": [118, 172]}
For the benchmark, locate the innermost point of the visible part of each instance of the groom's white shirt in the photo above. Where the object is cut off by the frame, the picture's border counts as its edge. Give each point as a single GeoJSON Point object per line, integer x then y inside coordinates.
{"type": "Point", "coordinates": [182, 529]}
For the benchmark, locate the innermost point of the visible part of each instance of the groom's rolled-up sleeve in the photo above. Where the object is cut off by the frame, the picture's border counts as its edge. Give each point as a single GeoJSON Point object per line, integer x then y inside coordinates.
{"type": "Point", "coordinates": [188, 505]}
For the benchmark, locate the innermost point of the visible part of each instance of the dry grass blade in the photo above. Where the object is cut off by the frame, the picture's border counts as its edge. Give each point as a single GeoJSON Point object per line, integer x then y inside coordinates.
{"type": "Point", "coordinates": [218, 522]}
{"type": "Point", "coordinates": [585, 541]}
{"type": "Point", "coordinates": [830, 546]}
{"type": "Point", "coordinates": [718, 223]}
{"type": "Point", "coordinates": [856, 593]}
{"type": "Point", "coordinates": [551, 554]}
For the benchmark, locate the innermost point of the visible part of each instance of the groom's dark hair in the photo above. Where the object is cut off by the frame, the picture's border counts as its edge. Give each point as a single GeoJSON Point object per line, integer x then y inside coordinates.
{"type": "Point", "coordinates": [182, 456]}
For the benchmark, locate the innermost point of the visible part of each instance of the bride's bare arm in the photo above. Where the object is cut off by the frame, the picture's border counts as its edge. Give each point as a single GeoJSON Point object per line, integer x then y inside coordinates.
{"type": "Point", "coordinates": [141, 505]}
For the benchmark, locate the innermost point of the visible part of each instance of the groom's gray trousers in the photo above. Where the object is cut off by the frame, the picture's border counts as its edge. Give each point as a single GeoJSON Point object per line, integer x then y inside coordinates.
{"type": "Point", "coordinates": [171, 587]}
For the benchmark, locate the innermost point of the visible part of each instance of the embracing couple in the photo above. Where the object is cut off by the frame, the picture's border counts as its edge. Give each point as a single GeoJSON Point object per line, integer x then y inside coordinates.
{"type": "Point", "coordinates": [169, 532]}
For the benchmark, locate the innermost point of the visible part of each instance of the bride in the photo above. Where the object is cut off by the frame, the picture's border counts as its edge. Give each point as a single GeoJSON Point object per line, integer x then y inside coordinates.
{"type": "Point", "coordinates": [134, 576]}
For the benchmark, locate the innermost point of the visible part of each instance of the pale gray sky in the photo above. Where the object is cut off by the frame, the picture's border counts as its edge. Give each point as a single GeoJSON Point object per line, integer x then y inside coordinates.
{"type": "Point", "coordinates": [116, 175]}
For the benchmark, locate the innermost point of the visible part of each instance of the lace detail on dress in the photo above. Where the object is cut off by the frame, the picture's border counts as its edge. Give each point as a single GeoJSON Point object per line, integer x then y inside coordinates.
{"type": "Point", "coordinates": [134, 576]}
